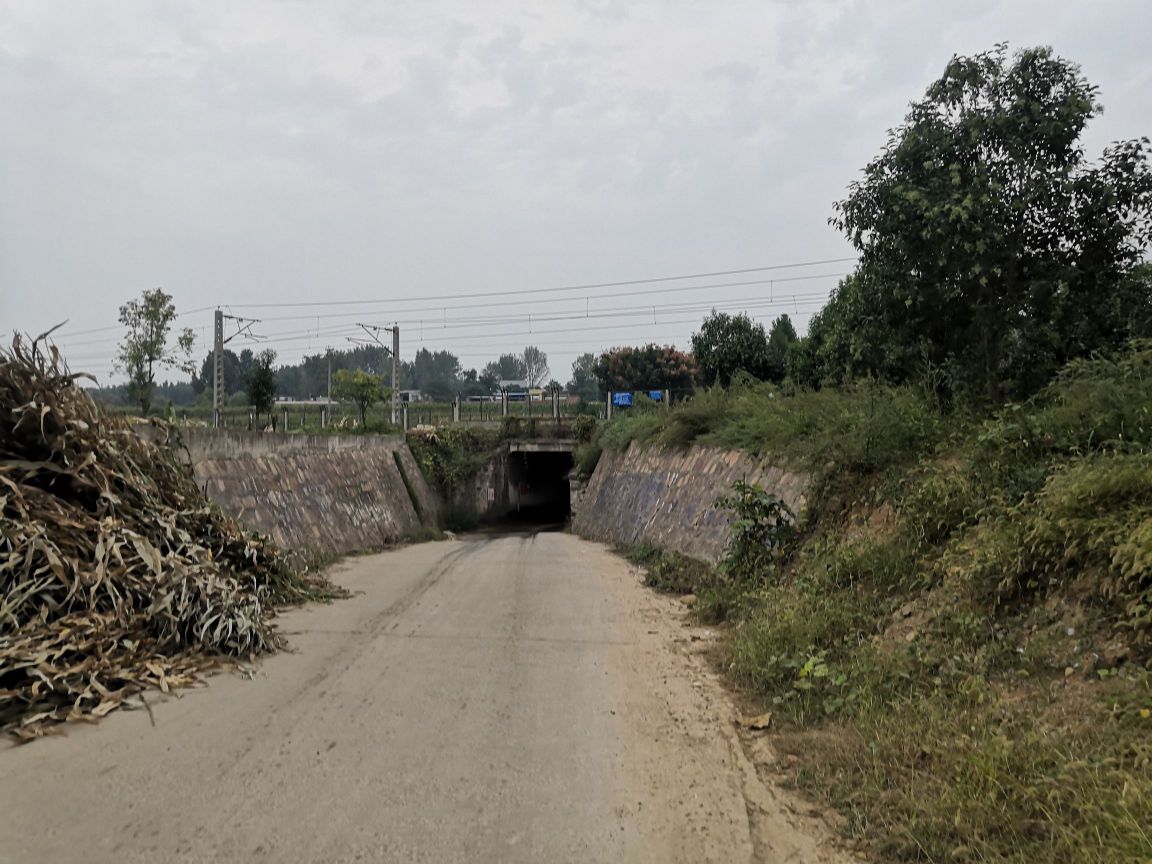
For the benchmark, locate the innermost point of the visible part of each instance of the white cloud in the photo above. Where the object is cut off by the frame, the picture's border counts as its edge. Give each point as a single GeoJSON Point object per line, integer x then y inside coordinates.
{"type": "Point", "coordinates": [270, 151]}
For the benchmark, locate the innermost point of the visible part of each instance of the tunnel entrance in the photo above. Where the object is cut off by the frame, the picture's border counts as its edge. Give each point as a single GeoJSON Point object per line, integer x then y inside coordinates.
{"type": "Point", "coordinates": [538, 492]}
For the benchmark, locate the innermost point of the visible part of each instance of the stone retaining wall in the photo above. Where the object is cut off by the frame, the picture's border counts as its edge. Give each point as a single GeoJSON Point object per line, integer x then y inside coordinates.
{"type": "Point", "coordinates": [324, 494]}
{"type": "Point", "coordinates": [666, 497]}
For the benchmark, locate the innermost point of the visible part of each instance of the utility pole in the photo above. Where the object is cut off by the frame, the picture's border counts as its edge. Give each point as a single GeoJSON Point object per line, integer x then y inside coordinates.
{"type": "Point", "coordinates": [373, 332]}
{"type": "Point", "coordinates": [395, 371]}
{"type": "Point", "coordinates": [329, 376]}
{"type": "Point", "coordinates": [217, 367]}
{"type": "Point", "coordinates": [243, 327]}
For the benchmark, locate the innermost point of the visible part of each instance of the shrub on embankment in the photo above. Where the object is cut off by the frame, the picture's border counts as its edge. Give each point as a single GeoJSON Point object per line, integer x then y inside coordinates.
{"type": "Point", "coordinates": [956, 645]}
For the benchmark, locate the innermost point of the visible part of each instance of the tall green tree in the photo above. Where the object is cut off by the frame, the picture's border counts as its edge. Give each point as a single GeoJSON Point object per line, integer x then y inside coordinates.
{"type": "Point", "coordinates": [993, 249]}
{"type": "Point", "coordinates": [261, 380]}
{"type": "Point", "coordinates": [781, 336]}
{"type": "Point", "coordinates": [583, 381]}
{"type": "Point", "coordinates": [145, 347]}
{"type": "Point", "coordinates": [726, 344]}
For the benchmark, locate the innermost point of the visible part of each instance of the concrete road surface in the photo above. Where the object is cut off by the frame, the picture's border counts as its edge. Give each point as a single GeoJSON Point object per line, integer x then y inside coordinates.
{"type": "Point", "coordinates": [493, 699]}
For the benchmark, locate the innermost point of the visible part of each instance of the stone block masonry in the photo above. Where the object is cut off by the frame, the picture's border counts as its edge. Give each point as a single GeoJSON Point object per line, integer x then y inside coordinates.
{"type": "Point", "coordinates": [330, 495]}
{"type": "Point", "coordinates": [666, 498]}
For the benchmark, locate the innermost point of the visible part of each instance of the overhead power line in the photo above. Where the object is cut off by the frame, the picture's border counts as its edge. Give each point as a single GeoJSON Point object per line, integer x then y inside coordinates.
{"type": "Point", "coordinates": [526, 291]}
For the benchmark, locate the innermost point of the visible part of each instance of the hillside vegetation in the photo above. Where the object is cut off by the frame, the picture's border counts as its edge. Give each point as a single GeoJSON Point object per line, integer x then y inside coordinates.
{"type": "Point", "coordinates": [954, 638]}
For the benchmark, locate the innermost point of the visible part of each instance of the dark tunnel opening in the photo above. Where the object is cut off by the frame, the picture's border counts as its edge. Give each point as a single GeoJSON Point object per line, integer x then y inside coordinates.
{"type": "Point", "coordinates": [538, 492]}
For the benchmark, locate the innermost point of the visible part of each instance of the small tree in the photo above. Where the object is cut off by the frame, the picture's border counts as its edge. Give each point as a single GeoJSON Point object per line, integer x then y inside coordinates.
{"type": "Point", "coordinates": [360, 388]}
{"type": "Point", "coordinates": [145, 347]}
{"type": "Point", "coordinates": [262, 381]}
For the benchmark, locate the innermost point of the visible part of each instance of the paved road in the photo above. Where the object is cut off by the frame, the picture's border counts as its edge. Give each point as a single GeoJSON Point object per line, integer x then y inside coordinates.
{"type": "Point", "coordinates": [494, 699]}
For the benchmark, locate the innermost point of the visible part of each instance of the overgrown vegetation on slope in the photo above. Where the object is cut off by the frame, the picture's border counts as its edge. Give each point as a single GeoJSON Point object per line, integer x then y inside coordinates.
{"type": "Point", "coordinates": [956, 642]}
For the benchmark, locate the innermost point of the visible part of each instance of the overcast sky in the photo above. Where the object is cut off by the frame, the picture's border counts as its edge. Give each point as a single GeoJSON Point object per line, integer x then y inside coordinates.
{"type": "Point", "coordinates": [240, 153]}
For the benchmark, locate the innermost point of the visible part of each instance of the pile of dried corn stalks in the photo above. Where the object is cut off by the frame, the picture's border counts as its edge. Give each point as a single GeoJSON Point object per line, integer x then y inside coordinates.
{"type": "Point", "coordinates": [116, 574]}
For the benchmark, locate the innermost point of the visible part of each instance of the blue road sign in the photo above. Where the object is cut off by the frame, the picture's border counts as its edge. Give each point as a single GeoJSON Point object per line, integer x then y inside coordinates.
{"type": "Point", "coordinates": [622, 400]}
{"type": "Point", "coordinates": [656, 395]}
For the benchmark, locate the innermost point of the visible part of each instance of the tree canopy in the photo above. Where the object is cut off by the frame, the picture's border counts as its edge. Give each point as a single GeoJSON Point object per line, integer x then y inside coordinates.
{"type": "Point", "coordinates": [651, 367]}
{"type": "Point", "coordinates": [361, 388]}
{"type": "Point", "coordinates": [726, 344]}
{"type": "Point", "coordinates": [991, 251]}
{"type": "Point", "coordinates": [508, 367]}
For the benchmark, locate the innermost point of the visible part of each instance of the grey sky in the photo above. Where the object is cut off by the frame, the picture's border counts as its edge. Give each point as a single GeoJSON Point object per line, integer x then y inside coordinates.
{"type": "Point", "coordinates": [260, 152]}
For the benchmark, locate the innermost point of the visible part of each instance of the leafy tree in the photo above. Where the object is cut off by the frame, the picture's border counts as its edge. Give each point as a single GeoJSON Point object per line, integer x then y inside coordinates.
{"type": "Point", "coordinates": [535, 366]}
{"type": "Point", "coordinates": [781, 336]}
{"type": "Point", "coordinates": [360, 387]}
{"type": "Point", "coordinates": [652, 367]}
{"type": "Point", "coordinates": [991, 249]}
{"type": "Point", "coordinates": [726, 344]}
{"type": "Point", "coordinates": [261, 381]}
{"type": "Point", "coordinates": [583, 381]}
{"type": "Point", "coordinates": [510, 367]}
{"type": "Point", "coordinates": [145, 346]}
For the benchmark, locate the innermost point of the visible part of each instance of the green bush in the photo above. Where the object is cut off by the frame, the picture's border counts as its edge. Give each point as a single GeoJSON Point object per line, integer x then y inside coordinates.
{"type": "Point", "coordinates": [763, 530]}
{"type": "Point", "coordinates": [451, 457]}
{"type": "Point", "coordinates": [584, 428]}
{"type": "Point", "coordinates": [622, 430]}
{"type": "Point", "coordinates": [587, 457]}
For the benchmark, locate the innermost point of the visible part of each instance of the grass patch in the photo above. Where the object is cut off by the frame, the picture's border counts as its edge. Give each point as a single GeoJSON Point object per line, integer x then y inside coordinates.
{"type": "Point", "coordinates": [957, 640]}
{"type": "Point", "coordinates": [672, 573]}
{"type": "Point", "coordinates": [870, 428]}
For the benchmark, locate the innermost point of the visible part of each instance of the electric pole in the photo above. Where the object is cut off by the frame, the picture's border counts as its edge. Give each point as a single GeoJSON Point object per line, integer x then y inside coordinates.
{"type": "Point", "coordinates": [395, 372]}
{"type": "Point", "coordinates": [243, 327]}
{"type": "Point", "coordinates": [217, 367]}
{"type": "Point", "coordinates": [374, 334]}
